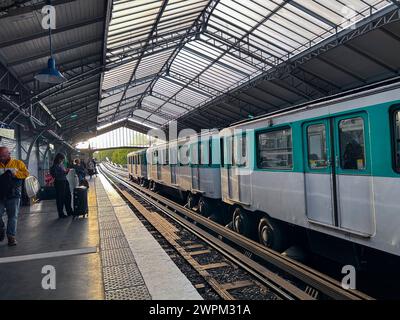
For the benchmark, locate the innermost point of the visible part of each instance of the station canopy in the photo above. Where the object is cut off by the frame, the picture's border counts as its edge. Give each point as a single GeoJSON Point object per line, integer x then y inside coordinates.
{"type": "Point", "coordinates": [205, 63]}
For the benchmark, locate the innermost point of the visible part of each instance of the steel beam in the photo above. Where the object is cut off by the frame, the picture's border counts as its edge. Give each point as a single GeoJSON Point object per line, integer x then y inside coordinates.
{"type": "Point", "coordinates": [377, 20]}
{"type": "Point", "coordinates": [45, 54]}
{"type": "Point", "coordinates": [133, 74]}
{"type": "Point", "coordinates": [44, 34]}
{"type": "Point", "coordinates": [199, 26]}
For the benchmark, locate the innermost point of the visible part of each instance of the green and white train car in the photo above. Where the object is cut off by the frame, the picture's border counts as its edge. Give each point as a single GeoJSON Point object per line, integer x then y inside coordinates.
{"type": "Point", "coordinates": [327, 173]}
{"type": "Point", "coordinates": [190, 168]}
{"type": "Point", "coordinates": [137, 166]}
{"type": "Point", "coordinates": [331, 168]}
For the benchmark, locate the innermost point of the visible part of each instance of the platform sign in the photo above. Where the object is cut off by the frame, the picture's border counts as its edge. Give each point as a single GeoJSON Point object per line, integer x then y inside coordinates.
{"type": "Point", "coordinates": [7, 133]}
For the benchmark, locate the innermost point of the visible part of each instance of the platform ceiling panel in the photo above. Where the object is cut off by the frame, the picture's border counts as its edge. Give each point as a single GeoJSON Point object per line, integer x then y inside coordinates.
{"type": "Point", "coordinates": [150, 34]}
{"type": "Point", "coordinates": [77, 45]}
{"type": "Point", "coordinates": [239, 41]}
{"type": "Point", "coordinates": [157, 61]}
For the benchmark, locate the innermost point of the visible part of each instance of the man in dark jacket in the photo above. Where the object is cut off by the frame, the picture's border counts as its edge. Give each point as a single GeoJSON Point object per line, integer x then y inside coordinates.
{"type": "Point", "coordinates": [12, 174]}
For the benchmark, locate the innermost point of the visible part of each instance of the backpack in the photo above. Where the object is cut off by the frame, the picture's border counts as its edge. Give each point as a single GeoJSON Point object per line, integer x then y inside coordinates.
{"type": "Point", "coordinates": [6, 180]}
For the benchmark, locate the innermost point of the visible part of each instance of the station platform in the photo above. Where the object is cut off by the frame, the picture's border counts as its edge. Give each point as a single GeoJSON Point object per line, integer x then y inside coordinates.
{"type": "Point", "coordinates": [109, 255]}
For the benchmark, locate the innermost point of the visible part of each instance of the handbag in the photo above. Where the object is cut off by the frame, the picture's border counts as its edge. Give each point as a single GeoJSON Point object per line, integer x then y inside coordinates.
{"type": "Point", "coordinates": [84, 183]}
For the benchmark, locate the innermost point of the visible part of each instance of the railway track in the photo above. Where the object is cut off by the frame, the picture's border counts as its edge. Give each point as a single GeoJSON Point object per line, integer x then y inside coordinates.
{"type": "Point", "coordinates": [270, 271]}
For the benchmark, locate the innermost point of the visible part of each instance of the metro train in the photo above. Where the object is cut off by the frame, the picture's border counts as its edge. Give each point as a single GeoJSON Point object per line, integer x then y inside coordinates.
{"type": "Point", "coordinates": [326, 172]}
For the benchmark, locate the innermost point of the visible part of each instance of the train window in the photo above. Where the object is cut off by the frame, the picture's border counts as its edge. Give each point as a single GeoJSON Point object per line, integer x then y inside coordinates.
{"type": "Point", "coordinates": [202, 154]}
{"type": "Point", "coordinates": [143, 159]}
{"type": "Point", "coordinates": [243, 160]}
{"type": "Point", "coordinates": [179, 156]}
{"type": "Point", "coordinates": [222, 159]}
{"type": "Point", "coordinates": [210, 151]}
{"type": "Point", "coordinates": [184, 154]}
{"type": "Point", "coordinates": [352, 148]}
{"type": "Point", "coordinates": [239, 152]}
{"type": "Point", "coordinates": [274, 150]}
{"type": "Point", "coordinates": [167, 156]}
{"type": "Point", "coordinates": [396, 136]}
{"type": "Point", "coordinates": [194, 153]}
{"type": "Point", "coordinates": [317, 155]}
{"type": "Point", "coordinates": [155, 157]}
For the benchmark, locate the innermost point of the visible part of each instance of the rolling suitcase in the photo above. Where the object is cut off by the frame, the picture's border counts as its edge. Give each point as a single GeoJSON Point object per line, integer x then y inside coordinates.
{"type": "Point", "coordinates": [81, 201]}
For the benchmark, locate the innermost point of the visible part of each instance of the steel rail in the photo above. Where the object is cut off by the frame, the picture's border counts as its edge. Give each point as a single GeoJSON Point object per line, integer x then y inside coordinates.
{"type": "Point", "coordinates": [280, 286]}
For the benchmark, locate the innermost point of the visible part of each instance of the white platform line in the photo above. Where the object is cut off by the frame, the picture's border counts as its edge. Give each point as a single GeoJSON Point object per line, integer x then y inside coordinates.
{"type": "Point", "coordinates": [46, 255]}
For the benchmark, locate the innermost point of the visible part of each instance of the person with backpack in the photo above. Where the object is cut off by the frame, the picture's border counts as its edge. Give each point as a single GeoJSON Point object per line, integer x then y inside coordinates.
{"type": "Point", "coordinates": [61, 184]}
{"type": "Point", "coordinates": [12, 174]}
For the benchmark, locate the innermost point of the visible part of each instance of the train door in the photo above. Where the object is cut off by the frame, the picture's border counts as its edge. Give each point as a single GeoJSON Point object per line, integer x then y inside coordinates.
{"type": "Point", "coordinates": [232, 174]}
{"type": "Point", "coordinates": [159, 163]}
{"type": "Point", "coordinates": [194, 166]}
{"type": "Point", "coordinates": [173, 162]}
{"type": "Point", "coordinates": [319, 172]}
{"type": "Point", "coordinates": [136, 161]}
{"type": "Point", "coordinates": [154, 165]}
{"type": "Point", "coordinates": [338, 179]}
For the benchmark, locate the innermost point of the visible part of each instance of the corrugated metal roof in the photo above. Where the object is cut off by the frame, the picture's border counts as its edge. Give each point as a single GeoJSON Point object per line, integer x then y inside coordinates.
{"type": "Point", "coordinates": [204, 62]}
{"type": "Point", "coordinates": [237, 41]}
{"type": "Point", "coordinates": [78, 48]}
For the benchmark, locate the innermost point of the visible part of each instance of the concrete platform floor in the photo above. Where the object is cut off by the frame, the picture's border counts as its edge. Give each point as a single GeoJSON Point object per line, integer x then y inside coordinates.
{"type": "Point", "coordinates": [109, 255]}
{"type": "Point", "coordinates": [78, 276]}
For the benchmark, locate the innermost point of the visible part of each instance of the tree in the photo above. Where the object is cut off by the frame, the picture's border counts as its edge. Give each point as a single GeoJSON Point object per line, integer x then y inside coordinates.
{"type": "Point", "coordinates": [115, 155]}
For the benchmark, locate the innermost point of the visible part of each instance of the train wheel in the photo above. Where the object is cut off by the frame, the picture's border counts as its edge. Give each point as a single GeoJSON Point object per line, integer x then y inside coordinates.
{"type": "Point", "coordinates": [204, 207]}
{"type": "Point", "coordinates": [241, 221]}
{"type": "Point", "coordinates": [270, 234]}
{"type": "Point", "coordinates": [191, 200]}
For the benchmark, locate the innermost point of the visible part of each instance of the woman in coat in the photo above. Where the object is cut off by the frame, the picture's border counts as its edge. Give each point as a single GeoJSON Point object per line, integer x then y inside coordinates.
{"type": "Point", "coordinates": [63, 193]}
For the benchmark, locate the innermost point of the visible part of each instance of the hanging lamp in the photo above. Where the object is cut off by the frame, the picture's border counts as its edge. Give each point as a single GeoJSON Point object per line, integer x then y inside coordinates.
{"type": "Point", "coordinates": [50, 74]}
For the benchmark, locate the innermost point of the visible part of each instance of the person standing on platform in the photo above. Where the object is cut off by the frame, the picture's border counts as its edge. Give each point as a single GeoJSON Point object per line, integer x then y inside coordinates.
{"type": "Point", "coordinates": [91, 168]}
{"type": "Point", "coordinates": [83, 163]}
{"type": "Point", "coordinates": [12, 174]}
{"type": "Point", "coordinates": [63, 192]}
{"type": "Point", "coordinates": [79, 170]}
{"type": "Point", "coordinates": [95, 166]}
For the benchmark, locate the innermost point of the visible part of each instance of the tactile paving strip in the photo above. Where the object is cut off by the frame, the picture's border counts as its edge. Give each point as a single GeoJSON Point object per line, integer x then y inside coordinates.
{"type": "Point", "coordinates": [108, 212]}
{"type": "Point", "coordinates": [106, 209]}
{"type": "Point", "coordinates": [105, 225]}
{"type": "Point", "coordinates": [107, 218]}
{"type": "Point", "coordinates": [134, 293]}
{"type": "Point", "coordinates": [116, 257]}
{"type": "Point", "coordinates": [113, 243]}
{"type": "Point", "coordinates": [121, 276]}
{"type": "Point", "coordinates": [111, 233]}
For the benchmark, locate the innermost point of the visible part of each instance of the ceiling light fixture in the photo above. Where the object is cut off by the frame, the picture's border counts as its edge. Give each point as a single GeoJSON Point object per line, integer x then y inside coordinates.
{"type": "Point", "coordinates": [50, 74]}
